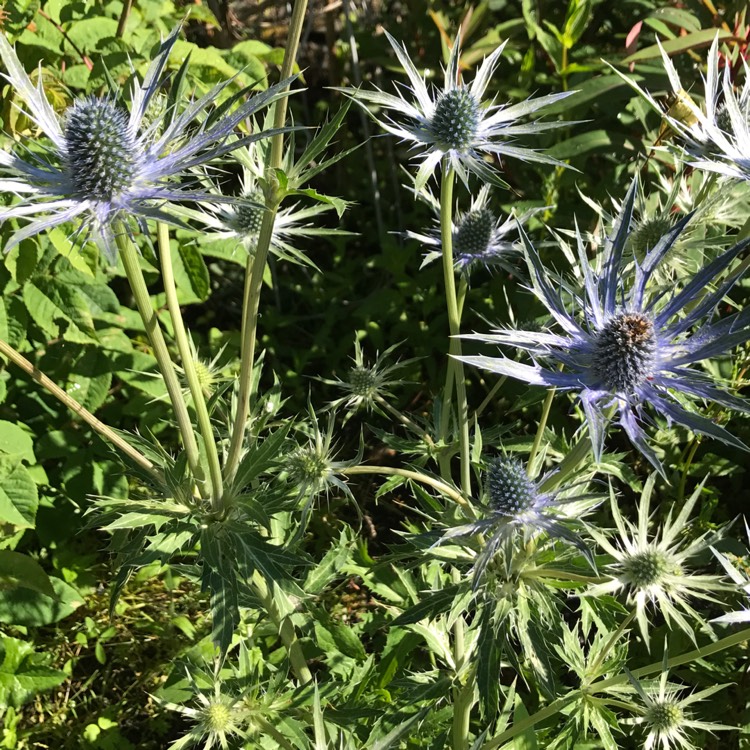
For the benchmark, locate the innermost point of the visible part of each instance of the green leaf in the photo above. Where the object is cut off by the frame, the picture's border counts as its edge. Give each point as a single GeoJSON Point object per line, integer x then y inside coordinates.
{"type": "Point", "coordinates": [90, 378]}
{"type": "Point", "coordinates": [577, 19]}
{"type": "Point", "coordinates": [22, 571]}
{"type": "Point", "coordinates": [18, 495]}
{"type": "Point", "coordinates": [13, 320]}
{"type": "Point", "coordinates": [677, 17]}
{"type": "Point", "coordinates": [680, 44]}
{"type": "Point", "coordinates": [24, 606]}
{"type": "Point", "coordinates": [23, 673]}
{"type": "Point", "coordinates": [191, 274]}
{"type": "Point", "coordinates": [432, 605]}
{"type": "Point", "coordinates": [338, 203]}
{"type": "Point", "coordinates": [16, 442]}
{"type": "Point", "coordinates": [59, 309]}
{"type": "Point", "coordinates": [88, 33]}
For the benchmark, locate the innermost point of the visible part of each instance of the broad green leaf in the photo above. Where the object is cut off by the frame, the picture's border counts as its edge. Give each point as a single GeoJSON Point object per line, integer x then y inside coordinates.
{"type": "Point", "coordinates": [16, 442]}
{"type": "Point", "coordinates": [18, 495]}
{"type": "Point", "coordinates": [190, 273]}
{"type": "Point", "coordinates": [90, 378]}
{"type": "Point", "coordinates": [23, 673]}
{"type": "Point", "coordinates": [680, 44]}
{"type": "Point", "coordinates": [581, 144]}
{"type": "Point", "coordinates": [21, 571]}
{"type": "Point", "coordinates": [21, 261]}
{"type": "Point", "coordinates": [677, 17]}
{"type": "Point", "coordinates": [61, 242]}
{"type": "Point", "coordinates": [13, 321]}
{"type": "Point", "coordinates": [24, 606]}
{"type": "Point", "coordinates": [87, 33]}
{"type": "Point", "coordinates": [58, 309]}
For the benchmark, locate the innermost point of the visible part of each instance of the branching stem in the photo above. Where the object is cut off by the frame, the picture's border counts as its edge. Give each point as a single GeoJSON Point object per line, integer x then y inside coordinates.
{"type": "Point", "coordinates": [188, 365]}
{"type": "Point", "coordinates": [129, 256]}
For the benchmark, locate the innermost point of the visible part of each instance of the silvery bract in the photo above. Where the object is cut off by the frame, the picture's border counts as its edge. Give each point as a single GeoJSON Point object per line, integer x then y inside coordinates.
{"type": "Point", "coordinates": [454, 123]}
{"type": "Point", "coordinates": [106, 164]}
{"type": "Point", "coordinates": [717, 139]}
{"type": "Point", "coordinates": [624, 348]}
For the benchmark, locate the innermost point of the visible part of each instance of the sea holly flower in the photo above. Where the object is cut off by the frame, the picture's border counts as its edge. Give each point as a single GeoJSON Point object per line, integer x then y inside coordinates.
{"type": "Point", "coordinates": [515, 502]}
{"type": "Point", "coordinates": [480, 238]}
{"type": "Point", "coordinates": [629, 348]}
{"type": "Point", "coordinates": [106, 164]}
{"type": "Point", "coordinates": [665, 715]}
{"type": "Point", "coordinates": [453, 124]}
{"type": "Point", "coordinates": [717, 139]}
{"type": "Point", "coordinates": [654, 568]}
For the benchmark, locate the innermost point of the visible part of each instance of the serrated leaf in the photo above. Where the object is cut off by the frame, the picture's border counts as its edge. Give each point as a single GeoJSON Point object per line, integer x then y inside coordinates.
{"type": "Point", "coordinates": [430, 606]}
{"type": "Point", "coordinates": [21, 571]}
{"type": "Point", "coordinates": [24, 606]}
{"type": "Point", "coordinates": [15, 442]}
{"type": "Point", "coordinates": [23, 673]}
{"type": "Point", "coordinates": [18, 495]}
{"type": "Point", "coordinates": [58, 309]}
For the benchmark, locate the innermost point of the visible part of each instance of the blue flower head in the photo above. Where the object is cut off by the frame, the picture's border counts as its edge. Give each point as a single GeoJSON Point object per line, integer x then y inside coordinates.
{"type": "Point", "coordinates": [629, 348]}
{"type": "Point", "coordinates": [453, 125]}
{"type": "Point", "coordinates": [516, 502]}
{"type": "Point", "coordinates": [107, 164]}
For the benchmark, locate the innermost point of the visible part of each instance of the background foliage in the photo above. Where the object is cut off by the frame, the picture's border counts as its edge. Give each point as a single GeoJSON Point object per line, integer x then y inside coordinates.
{"type": "Point", "coordinates": [72, 677]}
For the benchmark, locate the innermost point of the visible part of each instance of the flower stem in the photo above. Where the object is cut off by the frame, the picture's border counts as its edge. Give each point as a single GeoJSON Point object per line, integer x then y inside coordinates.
{"type": "Point", "coordinates": [493, 392]}
{"type": "Point", "coordinates": [188, 365]}
{"type": "Point", "coordinates": [569, 464]}
{"type": "Point", "coordinates": [63, 397]}
{"type": "Point", "coordinates": [595, 687]}
{"type": "Point", "coordinates": [540, 429]}
{"type": "Point", "coordinates": [463, 695]}
{"type": "Point", "coordinates": [284, 627]}
{"type": "Point", "coordinates": [455, 372]}
{"type": "Point", "coordinates": [415, 476]}
{"type": "Point", "coordinates": [405, 421]}
{"type": "Point", "coordinates": [129, 257]}
{"type": "Point", "coordinates": [256, 262]}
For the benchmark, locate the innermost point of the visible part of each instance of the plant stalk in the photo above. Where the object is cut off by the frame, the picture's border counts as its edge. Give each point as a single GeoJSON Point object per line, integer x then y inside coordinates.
{"type": "Point", "coordinates": [188, 365]}
{"type": "Point", "coordinates": [455, 373]}
{"type": "Point", "coordinates": [285, 629]}
{"type": "Point", "coordinates": [595, 687]}
{"type": "Point", "coordinates": [64, 398]}
{"type": "Point", "coordinates": [415, 476]}
{"type": "Point", "coordinates": [256, 262]}
{"type": "Point", "coordinates": [129, 257]}
{"type": "Point", "coordinates": [540, 429]}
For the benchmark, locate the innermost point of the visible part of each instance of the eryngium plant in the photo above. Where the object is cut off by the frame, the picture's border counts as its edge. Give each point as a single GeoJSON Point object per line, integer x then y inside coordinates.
{"type": "Point", "coordinates": [454, 125]}
{"type": "Point", "coordinates": [105, 164]}
{"type": "Point", "coordinates": [627, 349]}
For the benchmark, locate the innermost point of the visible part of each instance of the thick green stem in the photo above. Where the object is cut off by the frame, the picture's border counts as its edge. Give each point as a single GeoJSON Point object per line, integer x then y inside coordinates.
{"type": "Point", "coordinates": [556, 706]}
{"type": "Point", "coordinates": [129, 256]}
{"type": "Point", "coordinates": [188, 365]}
{"type": "Point", "coordinates": [455, 372]}
{"type": "Point", "coordinates": [540, 429]}
{"type": "Point", "coordinates": [256, 262]}
{"type": "Point", "coordinates": [287, 66]}
{"type": "Point", "coordinates": [64, 398]}
{"type": "Point", "coordinates": [415, 476]}
{"type": "Point", "coordinates": [463, 694]}
{"type": "Point", "coordinates": [284, 627]}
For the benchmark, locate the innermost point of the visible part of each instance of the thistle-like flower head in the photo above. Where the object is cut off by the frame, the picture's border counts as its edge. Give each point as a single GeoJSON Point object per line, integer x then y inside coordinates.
{"type": "Point", "coordinates": [106, 164]}
{"type": "Point", "coordinates": [655, 568]}
{"type": "Point", "coordinates": [453, 124]}
{"type": "Point", "coordinates": [513, 502]}
{"type": "Point", "coordinates": [629, 349]}
{"type": "Point", "coordinates": [718, 138]}
{"type": "Point", "coordinates": [666, 713]}
{"type": "Point", "coordinates": [368, 385]}
{"type": "Point", "coordinates": [480, 238]}
{"type": "Point", "coordinates": [240, 218]}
